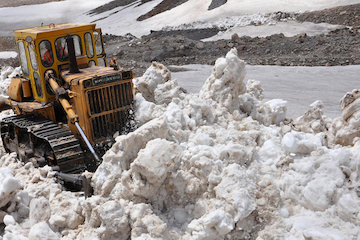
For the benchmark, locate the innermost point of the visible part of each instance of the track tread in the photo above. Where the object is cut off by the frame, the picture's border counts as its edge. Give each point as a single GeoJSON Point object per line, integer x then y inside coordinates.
{"type": "Point", "coordinates": [65, 146]}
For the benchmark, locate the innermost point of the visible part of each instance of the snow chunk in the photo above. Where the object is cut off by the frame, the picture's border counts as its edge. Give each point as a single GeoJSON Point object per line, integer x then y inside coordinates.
{"type": "Point", "coordinates": [8, 186]}
{"type": "Point", "coordinates": [123, 152]}
{"type": "Point", "coordinates": [226, 81]}
{"type": "Point", "coordinates": [157, 86]}
{"type": "Point", "coordinates": [66, 212]}
{"type": "Point", "coordinates": [302, 143]}
{"type": "Point", "coordinates": [114, 219]}
{"type": "Point", "coordinates": [270, 112]}
{"type": "Point", "coordinates": [42, 230]}
{"type": "Point", "coordinates": [149, 170]}
{"type": "Point", "coordinates": [237, 189]}
{"type": "Point", "coordinates": [313, 120]}
{"type": "Point", "coordinates": [212, 226]}
{"type": "Point", "coordinates": [9, 220]}
{"type": "Point", "coordinates": [348, 128]}
{"type": "Point", "coordinates": [39, 210]}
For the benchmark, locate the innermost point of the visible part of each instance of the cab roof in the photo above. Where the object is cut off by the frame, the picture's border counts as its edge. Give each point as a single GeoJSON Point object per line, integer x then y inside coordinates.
{"type": "Point", "coordinates": [53, 30]}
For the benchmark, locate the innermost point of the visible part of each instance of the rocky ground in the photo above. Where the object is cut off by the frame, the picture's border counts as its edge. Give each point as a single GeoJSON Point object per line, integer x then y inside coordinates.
{"type": "Point", "coordinates": [339, 47]}
{"type": "Point", "coordinates": [344, 15]}
{"type": "Point", "coordinates": [179, 47]}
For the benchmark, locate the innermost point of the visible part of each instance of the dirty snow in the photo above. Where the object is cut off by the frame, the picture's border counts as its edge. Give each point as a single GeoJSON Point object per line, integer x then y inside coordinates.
{"type": "Point", "coordinates": [219, 164]}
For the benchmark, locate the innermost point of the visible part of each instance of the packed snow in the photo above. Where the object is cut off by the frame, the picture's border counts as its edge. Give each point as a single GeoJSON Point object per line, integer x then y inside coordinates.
{"type": "Point", "coordinates": [289, 29]}
{"type": "Point", "coordinates": [8, 54]}
{"type": "Point", "coordinates": [299, 86]}
{"type": "Point", "coordinates": [217, 164]}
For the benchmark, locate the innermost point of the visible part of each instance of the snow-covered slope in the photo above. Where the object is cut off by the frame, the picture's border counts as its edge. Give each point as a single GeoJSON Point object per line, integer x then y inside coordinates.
{"type": "Point", "coordinates": [193, 12]}
{"type": "Point", "coordinates": [12, 18]}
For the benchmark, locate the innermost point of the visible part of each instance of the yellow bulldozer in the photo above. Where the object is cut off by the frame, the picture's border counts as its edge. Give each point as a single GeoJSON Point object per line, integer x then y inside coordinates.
{"type": "Point", "coordinates": [68, 103]}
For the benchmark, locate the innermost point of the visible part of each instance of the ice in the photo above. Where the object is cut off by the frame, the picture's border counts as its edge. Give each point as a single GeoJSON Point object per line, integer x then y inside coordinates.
{"type": "Point", "coordinates": [219, 164]}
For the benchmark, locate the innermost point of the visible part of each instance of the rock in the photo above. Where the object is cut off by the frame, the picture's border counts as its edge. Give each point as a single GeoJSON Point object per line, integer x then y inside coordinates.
{"type": "Point", "coordinates": [200, 45]}
{"type": "Point", "coordinates": [235, 37]}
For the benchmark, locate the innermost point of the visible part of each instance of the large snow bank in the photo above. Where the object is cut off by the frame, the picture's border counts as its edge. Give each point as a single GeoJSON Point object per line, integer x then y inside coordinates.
{"type": "Point", "coordinates": [219, 164]}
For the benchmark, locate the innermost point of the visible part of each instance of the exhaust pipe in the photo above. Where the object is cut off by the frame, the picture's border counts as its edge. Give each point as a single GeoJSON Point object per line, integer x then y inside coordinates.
{"type": "Point", "coordinates": [72, 58]}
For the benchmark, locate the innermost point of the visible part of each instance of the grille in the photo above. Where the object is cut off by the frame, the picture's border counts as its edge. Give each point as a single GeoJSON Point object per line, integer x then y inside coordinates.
{"type": "Point", "coordinates": [109, 109]}
{"type": "Point", "coordinates": [110, 98]}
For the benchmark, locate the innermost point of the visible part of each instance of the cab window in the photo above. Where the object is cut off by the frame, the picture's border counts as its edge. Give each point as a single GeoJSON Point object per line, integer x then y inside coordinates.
{"type": "Point", "coordinates": [89, 45]}
{"type": "Point", "coordinates": [47, 57]}
{"type": "Point", "coordinates": [62, 49]}
{"type": "Point", "coordinates": [98, 43]}
{"type": "Point", "coordinates": [32, 54]}
{"type": "Point", "coordinates": [23, 59]}
{"type": "Point", "coordinates": [38, 84]}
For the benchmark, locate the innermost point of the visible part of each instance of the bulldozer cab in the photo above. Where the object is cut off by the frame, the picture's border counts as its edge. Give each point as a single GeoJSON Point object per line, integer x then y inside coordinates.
{"type": "Point", "coordinates": [43, 49]}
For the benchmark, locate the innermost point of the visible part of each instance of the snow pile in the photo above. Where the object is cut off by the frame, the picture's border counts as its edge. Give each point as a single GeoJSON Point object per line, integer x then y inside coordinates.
{"type": "Point", "coordinates": [318, 194]}
{"type": "Point", "coordinates": [5, 78]}
{"type": "Point", "coordinates": [184, 173]}
{"type": "Point", "coordinates": [221, 164]}
{"type": "Point", "coordinates": [226, 87]}
{"type": "Point", "coordinates": [226, 82]}
{"type": "Point", "coordinates": [33, 206]}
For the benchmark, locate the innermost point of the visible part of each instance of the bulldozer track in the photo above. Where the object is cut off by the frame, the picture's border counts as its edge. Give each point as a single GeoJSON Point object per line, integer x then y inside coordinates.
{"type": "Point", "coordinates": [60, 148]}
